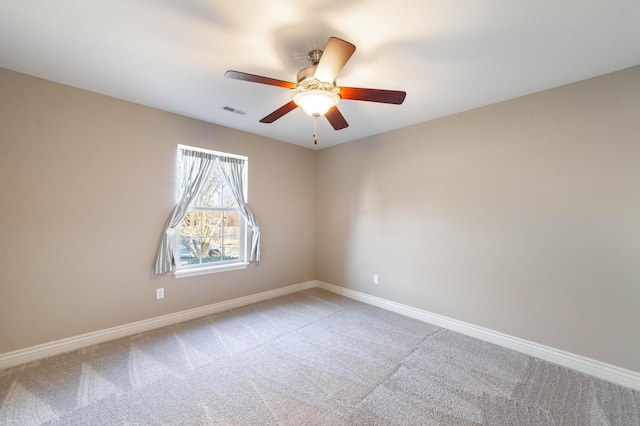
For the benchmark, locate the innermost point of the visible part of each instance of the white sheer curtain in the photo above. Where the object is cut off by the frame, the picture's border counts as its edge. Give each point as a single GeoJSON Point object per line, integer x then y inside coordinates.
{"type": "Point", "coordinates": [233, 171]}
{"type": "Point", "coordinates": [196, 166]}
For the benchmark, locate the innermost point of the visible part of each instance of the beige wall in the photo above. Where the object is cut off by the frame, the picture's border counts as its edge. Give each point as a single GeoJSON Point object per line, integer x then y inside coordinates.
{"type": "Point", "coordinates": [522, 217]}
{"type": "Point", "coordinates": [87, 182]}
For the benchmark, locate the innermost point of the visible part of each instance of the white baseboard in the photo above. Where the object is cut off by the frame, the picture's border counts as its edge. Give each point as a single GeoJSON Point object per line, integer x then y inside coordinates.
{"type": "Point", "coordinates": [576, 362]}
{"type": "Point", "coordinates": [45, 350]}
{"type": "Point", "coordinates": [595, 368]}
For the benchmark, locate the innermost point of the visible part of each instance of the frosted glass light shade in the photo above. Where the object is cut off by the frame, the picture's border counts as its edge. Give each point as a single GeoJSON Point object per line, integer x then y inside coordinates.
{"type": "Point", "coordinates": [316, 102]}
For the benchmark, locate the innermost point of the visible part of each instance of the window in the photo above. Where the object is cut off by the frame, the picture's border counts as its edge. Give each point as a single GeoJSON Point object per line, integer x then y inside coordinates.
{"type": "Point", "coordinates": [212, 235]}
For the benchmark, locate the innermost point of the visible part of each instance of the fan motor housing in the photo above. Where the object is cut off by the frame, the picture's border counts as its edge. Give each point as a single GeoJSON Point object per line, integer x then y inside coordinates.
{"type": "Point", "coordinates": [307, 81]}
{"type": "Point", "coordinates": [306, 74]}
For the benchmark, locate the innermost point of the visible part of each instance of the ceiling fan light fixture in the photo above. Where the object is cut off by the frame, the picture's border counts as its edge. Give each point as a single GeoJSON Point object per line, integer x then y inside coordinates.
{"type": "Point", "coordinates": [316, 90]}
{"type": "Point", "coordinates": [316, 102]}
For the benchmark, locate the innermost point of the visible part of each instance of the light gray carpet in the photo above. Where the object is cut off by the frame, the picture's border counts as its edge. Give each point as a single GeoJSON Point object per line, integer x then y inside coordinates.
{"type": "Point", "coordinates": [308, 358]}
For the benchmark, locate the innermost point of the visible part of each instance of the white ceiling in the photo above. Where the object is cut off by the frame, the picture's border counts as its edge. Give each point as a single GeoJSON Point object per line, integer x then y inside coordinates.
{"type": "Point", "coordinates": [449, 56]}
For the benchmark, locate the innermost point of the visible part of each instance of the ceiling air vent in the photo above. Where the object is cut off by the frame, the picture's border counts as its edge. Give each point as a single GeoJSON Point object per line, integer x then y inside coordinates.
{"type": "Point", "coordinates": [234, 110]}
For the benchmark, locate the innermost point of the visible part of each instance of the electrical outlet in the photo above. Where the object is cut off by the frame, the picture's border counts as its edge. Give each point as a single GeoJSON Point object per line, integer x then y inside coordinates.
{"type": "Point", "coordinates": [160, 293]}
{"type": "Point", "coordinates": [375, 279]}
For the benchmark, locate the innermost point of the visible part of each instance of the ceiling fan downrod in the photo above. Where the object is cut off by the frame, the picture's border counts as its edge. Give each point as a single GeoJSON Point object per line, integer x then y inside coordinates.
{"type": "Point", "coordinates": [314, 56]}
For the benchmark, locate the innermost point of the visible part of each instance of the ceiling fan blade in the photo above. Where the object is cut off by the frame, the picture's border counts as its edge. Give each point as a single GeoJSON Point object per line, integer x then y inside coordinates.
{"type": "Point", "coordinates": [334, 57]}
{"type": "Point", "coordinates": [237, 75]}
{"type": "Point", "coordinates": [279, 112]}
{"type": "Point", "coordinates": [336, 119]}
{"type": "Point", "coordinates": [373, 95]}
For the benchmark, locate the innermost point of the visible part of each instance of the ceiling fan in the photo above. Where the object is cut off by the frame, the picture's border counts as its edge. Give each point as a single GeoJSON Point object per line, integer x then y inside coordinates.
{"type": "Point", "coordinates": [316, 90]}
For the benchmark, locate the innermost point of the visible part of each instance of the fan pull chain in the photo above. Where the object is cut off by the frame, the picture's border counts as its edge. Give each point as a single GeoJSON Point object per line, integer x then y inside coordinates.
{"type": "Point", "coordinates": [315, 130]}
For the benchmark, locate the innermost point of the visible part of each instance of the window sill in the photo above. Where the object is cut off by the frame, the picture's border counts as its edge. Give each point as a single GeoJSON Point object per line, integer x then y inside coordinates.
{"type": "Point", "coordinates": [194, 272]}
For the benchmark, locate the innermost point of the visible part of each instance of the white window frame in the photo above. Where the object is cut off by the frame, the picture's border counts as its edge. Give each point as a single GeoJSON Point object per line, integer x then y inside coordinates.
{"type": "Point", "coordinates": [209, 268]}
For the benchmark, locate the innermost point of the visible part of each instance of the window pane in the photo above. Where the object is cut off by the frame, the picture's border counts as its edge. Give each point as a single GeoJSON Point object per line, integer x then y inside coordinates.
{"type": "Point", "coordinates": [232, 223]}
{"type": "Point", "coordinates": [211, 193]}
{"type": "Point", "coordinates": [227, 197]}
{"type": "Point", "coordinates": [191, 224]}
{"type": "Point", "coordinates": [212, 250]}
{"type": "Point", "coordinates": [189, 251]}
{"type": "Point", "coordinates": [231, 251]}
{"type": "Point", "coordinates": [213, 223]}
